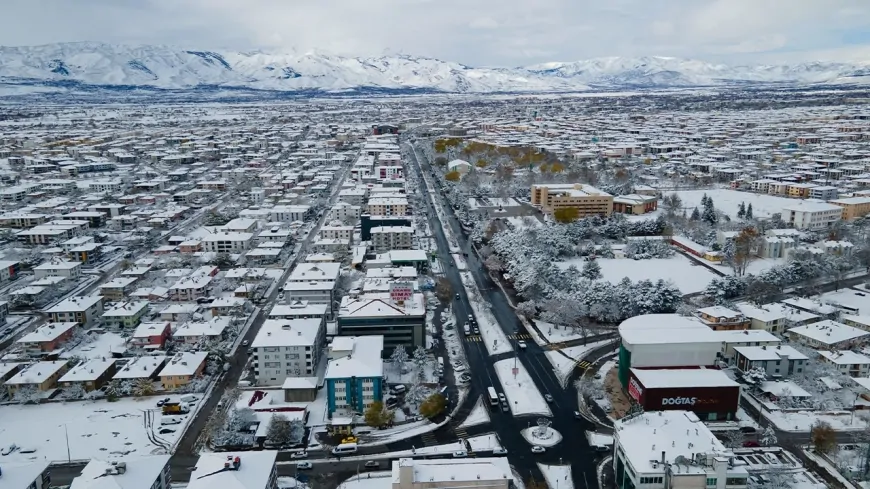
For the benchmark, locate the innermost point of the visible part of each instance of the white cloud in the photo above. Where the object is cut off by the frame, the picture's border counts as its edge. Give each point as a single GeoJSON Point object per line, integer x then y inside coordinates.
{"type": "Point", "coordinates": [482, 32]}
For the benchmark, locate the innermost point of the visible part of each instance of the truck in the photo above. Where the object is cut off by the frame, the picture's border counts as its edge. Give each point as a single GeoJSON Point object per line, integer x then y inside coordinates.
{"type": "Point", "coordinates": [176, 408]}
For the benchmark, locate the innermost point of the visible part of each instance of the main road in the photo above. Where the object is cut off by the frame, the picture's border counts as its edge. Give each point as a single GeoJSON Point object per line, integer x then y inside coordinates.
{"type": "Point", "coordinates": [574, 448]}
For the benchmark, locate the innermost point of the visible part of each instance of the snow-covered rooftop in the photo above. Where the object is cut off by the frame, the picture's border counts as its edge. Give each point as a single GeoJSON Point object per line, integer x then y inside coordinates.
{"type": "Point", "coordinates": [828, 332]}
{"type": "Point", "coordinates": [747, 336]}
{"type": "Point", "coordinates": [142, 367]}
{"type": "Point", "coordinates": [462, 471]}
{"type": "Point", "coordinates": [681, 378]}
{"type": "Point", "coordinates": [845, 357]}
{"type": "Point", "coordinates": [761, 353]}
{"type": "Point", "coordinates": [139, 473]}
{"type": "Point", "coordinates": [363, 358]}
{"type": "Point", "coordinates": [665, 328]}
{"type": "Point", "coordinates": [37, 373]}
{"type": "Point", "coordinates": [253, 472]}
{"type": "Point", "coordinates": [288, 332]}
{"type": "Point", "coordinates": [47, 332]}
{"type": "Point", "coordinates": [88, 370]}
{"type": "Point", "coordinates": [184, 363]}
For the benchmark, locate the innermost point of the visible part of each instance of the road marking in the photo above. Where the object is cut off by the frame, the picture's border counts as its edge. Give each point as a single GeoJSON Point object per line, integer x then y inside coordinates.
{"type": "Point", "coordinates": [583, 364]}
{"type": "Point", "coordinates": [429, 439]}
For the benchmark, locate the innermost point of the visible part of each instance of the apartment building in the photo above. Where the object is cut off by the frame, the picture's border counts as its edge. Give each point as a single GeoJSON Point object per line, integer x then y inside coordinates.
{"type": "Point", "coordinates": [777, 361]}
{"type": "Point", "coordinates": [853, 207]}
{"type": "Point", "coordinates": [398, 316]}
{"type": "Point", "coordinates": [90, 375]}
{"type": "Point", "coordinates": [69, 270]}
{"type": "Point", "coordinates": [387, 238]}
{"type": "Point", "coordinates": [387, 206]}
{"type": "Point", "coordinates": [719, 318]}
{"type": "Point", "coordinates": [848, 362]}
{"type": "Point", "coordinates": [144, 472]}
{"type": "Point", "coordinates": [588, 200]}
{"type": "Point", "coordinates": [182, 369]}
{"type": "Point", "coordinates": [287, 348]}
{"type": "Point", "coordinates": [355, 373]}
{"type": "Point", "coordinates": [342, 211]}
{"type": "Point", "coordinates": [336, 232]}
{"type": "Point", "coordinates": [227, 242]}
{"type": "Point", "coordinates": [79, 309]}
{"type": "Point", "coordinates": [47, 338]}
{"type": "Point", "coordinates": [812, 215]}
{"type": "Point", "coordinates": [40, 376]}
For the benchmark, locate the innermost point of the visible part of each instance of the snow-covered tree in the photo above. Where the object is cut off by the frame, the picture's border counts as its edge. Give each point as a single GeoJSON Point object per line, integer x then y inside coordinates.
{"type": "Point", "coordinates": [279, 431]}
{"type": "Point", "coordinates": [768, 437]}
{"type": "Point", "coordinates": [399, 358]}
{"type": "Point", "coordinates": [75, 391]}
{"type": "Point", "coordinates": [741, 210]}
{"type": "Point", "coordinates": [421, 361]}
{"type": "Point", "coordinates": [755, 375]}
{"type": "Point", "coordinates": [591, 269]}
{"type": "Point", "coordinates": [749, 211]}
{"type": "Point", "coordinates": [26, 395]}
{"type": "Point", "coordinates": [237, 431]}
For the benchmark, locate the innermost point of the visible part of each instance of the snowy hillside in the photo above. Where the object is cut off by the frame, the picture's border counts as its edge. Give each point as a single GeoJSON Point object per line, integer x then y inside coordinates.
{"type": "Point", "coordinates": [100, 64]}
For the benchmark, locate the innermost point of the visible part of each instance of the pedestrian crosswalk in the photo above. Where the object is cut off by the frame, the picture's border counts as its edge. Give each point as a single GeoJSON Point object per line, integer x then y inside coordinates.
{"type": "Point", "coordinates": [460, 433]}
{"type": "Point", "coordinates": [429, 439]}
{"type": "Point", "coordinates": [477, 338]}
{"type": "Point", "coordinates": [583, 364]}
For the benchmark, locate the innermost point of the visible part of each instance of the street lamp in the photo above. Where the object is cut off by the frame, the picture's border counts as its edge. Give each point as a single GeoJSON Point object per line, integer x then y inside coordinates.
{"type": "Point", "coordinates": [66, 435]}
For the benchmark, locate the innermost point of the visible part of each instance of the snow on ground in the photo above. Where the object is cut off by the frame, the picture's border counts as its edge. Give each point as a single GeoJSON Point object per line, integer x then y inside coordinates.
{"type": "Point", "coordinates": [393, 374]}
{"type": "Point", "coordinates": [478, 415]}
{"type": "Point", "coordinates": [554, 334]}
{"type": "Point", "coordinates": [728, 201]}
{"type": "Point", "coordinates": [599, 439]}
{"type": "Point", "coordinates": [101, 345]}
{"type": "Point", "coordinates": [96, 429]}
{"type": "Point", "coordinates": [390, 435]}
{"type": "Point", "coordinates": [606, 367]}
{"type": "Point", "coordinates": [369, 480]}
{"type": "Point", "coordinates": [459, 261]}
{"type": "Point", "coordinates": [527, 222]}
{"type": "Point", "coordinates": [493, 336]}
{"type": "Point", "coordinates": [522, 395]}
{"type": "Point", "coordinates": [685, 274]}
{"type": "Point", "coordinates": [557, 476]}
{"type": "Point", "coordinates": [744, 419]}
{"type": "Point", "coordinates": [484, 443]}
{"type": "Point", "coordinates": [286, 482]}
{"type": "Point", "coordinates": [563, 366]}
{"type": "Point", "coordinates": [551, 437]}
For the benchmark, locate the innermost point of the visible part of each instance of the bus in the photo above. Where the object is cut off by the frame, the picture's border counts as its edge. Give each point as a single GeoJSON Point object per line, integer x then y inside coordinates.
{"type": "Point", "coordinates": [493, 397]}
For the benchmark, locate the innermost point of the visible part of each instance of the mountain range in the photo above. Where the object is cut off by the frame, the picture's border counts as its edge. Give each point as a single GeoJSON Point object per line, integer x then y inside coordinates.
{"type": "Point", "coordinates": [91, 64]}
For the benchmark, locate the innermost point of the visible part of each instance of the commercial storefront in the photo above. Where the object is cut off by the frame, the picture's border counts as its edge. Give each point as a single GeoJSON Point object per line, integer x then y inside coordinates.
{"type": "Point", "coordinates": [709, 393]}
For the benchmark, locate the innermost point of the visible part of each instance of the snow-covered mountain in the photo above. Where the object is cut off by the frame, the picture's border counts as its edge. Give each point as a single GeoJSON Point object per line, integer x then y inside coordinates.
{"type": "Point", "coordinates": [108, 65]}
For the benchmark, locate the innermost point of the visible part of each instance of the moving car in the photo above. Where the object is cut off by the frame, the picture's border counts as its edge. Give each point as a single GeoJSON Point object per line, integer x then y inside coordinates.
{"type": "Point", "coordinates": [522, 344]}
{"type": "Point", "coordinates": [499, 451]}
{"type": "Point", "coordinates": [304, 466]}
{"type": "Point", "coordinates": [548, 397]}
{"type": "Point", "coordinates": [298, 455]}
{"type": "Point", "coordinates": [372, 464]}
{"type": "Point", "coordinates": [245, 343]}
{"type": "Point", "coordinates": [538, 449]}
{"type": "Point", "coordinates": [457, 296]}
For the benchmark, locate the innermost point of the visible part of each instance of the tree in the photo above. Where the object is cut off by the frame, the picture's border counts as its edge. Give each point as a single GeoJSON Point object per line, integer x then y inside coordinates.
{"type": "Point", "coordinates": [421, 360]}
{"type": "Point", "coordinates": [740, 251]}
{"type": "Point", "coordinates": [672, 203]}
{"type": "Point", "coordinates": [708, 214]}
{"type": "Point", "coordinates": [27, 394]}
{"type": "Point", "coordinates": [696, 215]}
{"type": "Point", "coordinates": [493, 263]}
{"type": "Point", "coordinates": [279, 431]}
{"type": "Point", "coordinates": [527, 309]}
{"type": "Point", "coordinates": [481, 163]}
{"type": "Point", "coordinates": [734, 439]}
{"type": "Point", "coordinates": [399, 358]}
{"type": "Point", "coordinates": [452, 176]}
{"type": "Point", "coordinates": [443, 290]}
{"type": "Point", "coordinates": [566, 215]}
{"type": "Point", "coordinates": [755, 375]}
{"type": "Point", "coordinates": [113, 390]}
{"type": "Point", "coordinates": [377, 416]}
{"type": "Point", "coordinates": [823, 436]}
{"type": "Point", "coordinates": [143, 387]}
{"type": "Point", "coordinates": [433, 405]}
{"type": "Point", "coordinates": [591, 270]}
{"type": "Point", "coordinates": [741, 211]}
{"type": "Point", "coordinates": [768, 437]}
{"type": "Point", "coordinates": [749, 211]}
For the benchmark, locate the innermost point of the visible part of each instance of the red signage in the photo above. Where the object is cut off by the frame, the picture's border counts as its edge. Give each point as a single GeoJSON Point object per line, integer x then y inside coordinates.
{"type": "Point", "coordinates": [634, 389]}
{"type": "Point", "coordinates": [401, 291]}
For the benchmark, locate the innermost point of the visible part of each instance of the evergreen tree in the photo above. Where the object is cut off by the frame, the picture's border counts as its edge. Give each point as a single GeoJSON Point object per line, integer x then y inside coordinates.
{"type": "Point", "coordinates": [749, 211]}
{"type": "Point", "coordinates": [591, 270]}
{"type": "Point", "coordinates": [696, 215]}
{"type": "Point", "coordinates": [741, 210]}
{"type": "Point", "coordinates": [708, 215]}
{"type": "Point", "coordinates": [279, 431]}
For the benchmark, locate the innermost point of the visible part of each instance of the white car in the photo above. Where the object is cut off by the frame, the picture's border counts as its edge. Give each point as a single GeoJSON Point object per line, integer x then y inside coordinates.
{"type": "Point", "coordinates": [460, 454]}
{"type": "Point", "coordinates": [548, 397]}
{"type": "Point", "coordinates": [298, 455]}
{"type": "Point", "coordinates": [499, 451]}
{"type": "Point", "coordinates": [522, 344]}
{"type": "Point", "coordinates": [538, 449]}
{"type": "Point", "coordinates": [303, 466]}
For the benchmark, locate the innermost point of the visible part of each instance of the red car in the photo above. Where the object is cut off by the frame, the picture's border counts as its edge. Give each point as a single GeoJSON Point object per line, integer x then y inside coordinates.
{"type": "Point", "coordinates": [751, 444]}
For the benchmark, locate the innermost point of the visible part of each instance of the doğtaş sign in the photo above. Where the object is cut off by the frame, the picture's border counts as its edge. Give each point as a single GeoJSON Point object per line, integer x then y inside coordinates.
{"type": "Point", "coordinates": [634, 389]}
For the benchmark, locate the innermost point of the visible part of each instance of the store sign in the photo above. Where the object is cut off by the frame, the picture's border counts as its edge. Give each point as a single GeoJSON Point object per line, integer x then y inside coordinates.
{"type": "Point", "coordinates": [634, 389]}
{"type": "Point", "coordinates": [679, 401]}
{"type": "Point", "coordinates": [401, 291]}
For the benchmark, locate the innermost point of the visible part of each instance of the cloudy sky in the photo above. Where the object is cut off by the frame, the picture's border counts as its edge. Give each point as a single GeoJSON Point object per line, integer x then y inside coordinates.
{"type": "Point", "coordinates": [475, 32]}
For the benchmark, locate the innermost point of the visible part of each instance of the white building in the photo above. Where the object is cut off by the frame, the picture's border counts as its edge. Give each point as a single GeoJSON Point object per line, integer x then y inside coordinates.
{"type": "Point", "coordinates": [811, 215]}
{"type": "Point", "coordinates": [80, 309]}
{"type": "Point", "coordinates": [827, 334]}
{"type": "Point", "coordinates": [848, 362]}
{"type": "Point", "coordinates": [227, 242]}
{"type": "Point", "coordinates": [481, 473]}
{"type": "Point", "coordinates": [342, 211]}
{"type": "Point", "coordinates": [387, 238]}
{"type": "Point", "coordinates": [669, 449]}
{"type": "Point", "coordinates": [336, 232]}
{"type": "Point", "coordinates": [287, 348]}
{"type": "Point", "coordinates": [69, 270]}
{"type": "Point", "coordinates": [33, 475]}
{"type": "Point", "coordinates": [145, 472]}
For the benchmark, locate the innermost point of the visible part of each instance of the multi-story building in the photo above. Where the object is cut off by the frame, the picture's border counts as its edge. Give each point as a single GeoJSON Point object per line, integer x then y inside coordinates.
{"type": "Point", "coordinates": [848, 362]}
{"type": "Point", "coordinates": [777, 361]}
{"type": "Point", "coordinates": [342, 211]}
{"type": "Point", "coordinates": [635, 204]}
{"type": "Point", "coordinates": [118, 288]}
{"type": "Point", "coordinates": [40, 376]}
{"type": "Point", "coordinates": [287, 348]}
{"type": "Point", "coordinates": [588, 200]}
{"type": "Point", "coordinates": [669, 449]}
{"type": "Point", "coordinates": [479, 472]}
{"type": "Point", "coordinates": [853, 207]}
{"type": "Point", "coordinates": [227, 242]}
{"type": "Point", "coordinates": [336, 232]}
{"type": "Point", "coordinates": [90, 375]}
{"type": "Point", "coordinates": [69, 270]}
{"type": "Point", "coordinates": [399, 320]}
{"type": "Point", "coordinates": [720, 318]}
{"type": "Point", "coordinates": [387, 238]}
{"type": "Point", "coordinates": [182, 369]}
{"type": "Point", "coordinates": [827, 334]}
{"type": "Point", "coordinates": [125, 315]}
{"type": "Point", "coordinates": [47, 338]}
{"type": "Point", "coordinates": [33, 475]}
{"type": "Point", "coordinates": [354, 375]}
{"type": "Point", "coordinates": [80, 309]}
{"type": "Point", "coordinates": [811, 215]}
{"type": "Point", "coordinates": [387, 206]}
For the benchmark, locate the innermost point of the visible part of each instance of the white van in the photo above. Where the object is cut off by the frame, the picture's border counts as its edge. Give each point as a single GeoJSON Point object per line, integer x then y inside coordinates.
{"type": "Point", "coordinates": [344, 449]}
{"type": "Point", "coordinates": [189, 398]}
{"type": "Point", "coordinates": [398, 389]}
{"type": "Point", "coordinates": [169, 421]}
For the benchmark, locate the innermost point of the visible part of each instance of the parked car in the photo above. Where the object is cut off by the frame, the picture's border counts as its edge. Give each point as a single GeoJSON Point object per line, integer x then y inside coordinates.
{"type": "Point", "coordinates": [748, 429]}
{"type": "Point", "coordinates": [548, 397]}
{"type": "Point", "coordinates": [304, 466]}
{"type": "Point", "coordinates": [372, 464]}
{"type": "Point", "coordinates": [538, 449]}
{"type": "Point", "coordinates": [460, 454]}
{"type": "Point", "coordinates": [499, 451]}
{"type": "Point", "coordinates": [298, 455]}
{"type": "Point", "coordinates": [577, 415]}
{"type": "Point", "coordinates": [245, 343]}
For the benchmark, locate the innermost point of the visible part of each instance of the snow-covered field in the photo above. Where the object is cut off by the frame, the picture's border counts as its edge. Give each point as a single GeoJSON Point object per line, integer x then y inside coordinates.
{"type": "Point", "coordinates": [686, 275]}
{"type": "Point", "coordinates": [553, 334]}
{"type": "Point", "coordinates": [728, 201]}
{"type": "Point", "coordinates": [100, 429]}
{"type": "Point", "coordinates": [558, 476]}
{"type": "Point", "coordinates": [493, 336]}
{"type": "Point", "coordinates": [478, 415]}
{"type": "Point", "coordinates": [522, 395]}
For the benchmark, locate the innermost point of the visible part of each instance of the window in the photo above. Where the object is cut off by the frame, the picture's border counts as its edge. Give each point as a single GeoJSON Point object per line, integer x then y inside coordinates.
{"type": "Point", "coordinates": [711, 481]}
{"type": "Point", "coordinates": [735, 481]}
